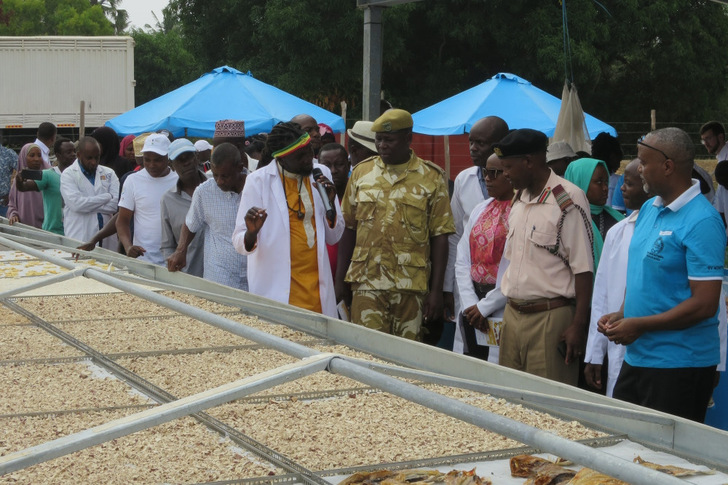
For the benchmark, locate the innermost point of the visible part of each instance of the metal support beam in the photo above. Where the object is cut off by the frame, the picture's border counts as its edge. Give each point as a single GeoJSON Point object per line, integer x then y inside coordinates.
{"type": "Point", "coordinates": [162, 414]}
{"type": "Point", "coordinates": [44, 282]}
{"type": "Point", "coordinates": [372, 81]}
{"type": "Point", "coordinates": [689, 439]}
{"type": "Point", "coordinates": [530, 435]}
{"type": "Point", "coordinates": [554, 404]}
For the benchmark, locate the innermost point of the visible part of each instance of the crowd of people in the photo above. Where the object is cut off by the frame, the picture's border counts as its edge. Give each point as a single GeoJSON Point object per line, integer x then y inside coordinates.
{"type": "Point", "coordinates": [539, 258]}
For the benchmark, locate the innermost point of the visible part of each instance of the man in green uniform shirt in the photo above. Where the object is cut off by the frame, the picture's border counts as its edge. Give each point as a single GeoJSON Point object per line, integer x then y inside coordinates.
{"type": "Point", "coordinates": [395, 244]}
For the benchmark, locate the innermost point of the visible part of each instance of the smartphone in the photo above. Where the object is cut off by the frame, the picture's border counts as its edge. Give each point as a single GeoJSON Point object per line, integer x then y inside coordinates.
{"type": "Point", "coordinates": [562, 348]}
{"type": "Point", "coordinates": [28, 174]}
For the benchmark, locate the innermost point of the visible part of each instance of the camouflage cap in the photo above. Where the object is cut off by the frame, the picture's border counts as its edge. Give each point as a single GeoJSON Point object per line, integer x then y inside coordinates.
{"type": "Point", "coordinates": [521, 142]}
{"type": "Point", "coordinates": [392, 120]}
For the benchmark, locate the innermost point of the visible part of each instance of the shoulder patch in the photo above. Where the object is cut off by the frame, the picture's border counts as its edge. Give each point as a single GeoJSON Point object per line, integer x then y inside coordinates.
{"type": "Point", "coordinates": [364, 163]}
{"type": "Point", "coordinates": [433, 165]}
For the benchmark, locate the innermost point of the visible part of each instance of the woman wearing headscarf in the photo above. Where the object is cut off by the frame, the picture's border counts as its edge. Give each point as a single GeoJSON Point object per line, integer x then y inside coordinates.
{"type": "Point", "coordinates": [27, 207]}
{"type": "Point", "coordinates": [110, 146]}
{"type": "Point", "coordinates": [479, 263]}
{"type": "Point", "coordinates": [591, 176]}
{"type": "Point", "coordinates": [127, 149]}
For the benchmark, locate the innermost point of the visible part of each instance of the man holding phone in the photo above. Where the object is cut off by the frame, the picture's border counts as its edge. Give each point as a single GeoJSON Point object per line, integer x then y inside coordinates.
{"type": "Point", "coordinates": [48, 183]}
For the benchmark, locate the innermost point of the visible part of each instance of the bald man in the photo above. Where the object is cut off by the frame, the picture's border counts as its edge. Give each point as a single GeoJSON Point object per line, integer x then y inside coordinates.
{"type": "Point", "coordinates": [669, 320]}
{"type": "Point", "coordinates": [468, 192]}
{"type": "Point", "coordinates": [309, 125]}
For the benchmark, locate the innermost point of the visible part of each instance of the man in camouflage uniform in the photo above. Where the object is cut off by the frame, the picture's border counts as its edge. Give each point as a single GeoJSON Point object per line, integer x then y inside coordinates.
{"type": "Point", "coordinates": [395, 244]}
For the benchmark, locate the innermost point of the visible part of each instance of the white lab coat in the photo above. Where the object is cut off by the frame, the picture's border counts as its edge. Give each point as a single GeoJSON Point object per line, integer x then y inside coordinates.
{"type": "Point", "coordinates": [494, 302]}
{"type": "Point", "coordinates": [82, 201]}
{"type": "Point", "coordinates": [269, 263]}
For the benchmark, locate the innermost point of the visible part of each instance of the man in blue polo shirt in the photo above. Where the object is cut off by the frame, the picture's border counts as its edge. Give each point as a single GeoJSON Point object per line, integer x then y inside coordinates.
{"type": "Point", "coordinates": [674, 275]}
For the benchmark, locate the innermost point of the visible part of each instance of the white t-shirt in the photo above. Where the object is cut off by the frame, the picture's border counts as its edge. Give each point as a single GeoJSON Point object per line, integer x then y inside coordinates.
{"type": "Point", "coordinates": [142, 194]}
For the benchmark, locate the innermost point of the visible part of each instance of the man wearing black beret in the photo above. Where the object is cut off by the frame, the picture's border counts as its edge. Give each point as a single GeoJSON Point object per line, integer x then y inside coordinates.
{"type": "Point", "coordinates": [549, 279]}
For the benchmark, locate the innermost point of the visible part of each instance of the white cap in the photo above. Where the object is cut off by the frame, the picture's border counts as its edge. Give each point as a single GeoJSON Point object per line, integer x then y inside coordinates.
{"type": "Point", "coordinates": [202, 145]}
{"type": "Point", "coordinates": [157, 143]}
{"type": "Point", "coordinates": [559, 150]}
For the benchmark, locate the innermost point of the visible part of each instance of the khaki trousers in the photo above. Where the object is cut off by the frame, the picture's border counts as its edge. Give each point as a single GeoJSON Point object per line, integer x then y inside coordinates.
{"type": "Point", "coordinates": [529, 343]}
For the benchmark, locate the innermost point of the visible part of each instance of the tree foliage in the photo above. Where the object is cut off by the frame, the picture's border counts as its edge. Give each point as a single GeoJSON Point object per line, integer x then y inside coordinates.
{"type": "Point", "coordinates": [54, 17]}
{"type": "Point", "coordinates": [161, 64]}
{"type": "Point", "coordinates": [653, 54]}
{"type": "Point", "coordinates": [626, 58]}
{"type": "Point", "coordinates": [119, 17]}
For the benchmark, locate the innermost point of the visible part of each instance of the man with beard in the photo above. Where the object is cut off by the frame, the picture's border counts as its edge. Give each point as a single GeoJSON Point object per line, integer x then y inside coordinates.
{"type": "Point", "coordinates": [283, 228]}
{"type": "Point", "coordinates": [468, 192]}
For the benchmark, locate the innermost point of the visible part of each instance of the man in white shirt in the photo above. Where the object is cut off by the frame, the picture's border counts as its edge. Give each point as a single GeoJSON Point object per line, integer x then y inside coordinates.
{"type": "Point", "coordinates": [45, 139]}
{"type": "Point", "coordinates": [469, 191]}
{"type": "Point", "coordinates": [140, 199]}
{"type": "Point", "coordinates": [90, 193]}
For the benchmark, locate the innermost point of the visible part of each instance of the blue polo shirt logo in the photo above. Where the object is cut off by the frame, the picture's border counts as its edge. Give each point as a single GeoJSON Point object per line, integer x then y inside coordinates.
{"type": "Point", "coordinates": [657, 248]}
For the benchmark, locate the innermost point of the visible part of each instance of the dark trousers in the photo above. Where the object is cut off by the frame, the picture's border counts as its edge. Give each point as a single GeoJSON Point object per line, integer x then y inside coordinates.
{"type": "Point", "coordinates": [684, 392]}
{"type": "Point", "coordinates": [468, 332]}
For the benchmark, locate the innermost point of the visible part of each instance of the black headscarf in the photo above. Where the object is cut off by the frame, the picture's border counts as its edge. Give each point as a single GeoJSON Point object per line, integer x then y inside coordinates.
{"type": "Point", "coordinates": [109, 141]}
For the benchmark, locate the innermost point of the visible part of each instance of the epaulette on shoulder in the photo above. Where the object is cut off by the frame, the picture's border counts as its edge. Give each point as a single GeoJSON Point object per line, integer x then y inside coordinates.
{"type": "Point", "coordinates": [562, 198]}
{"type": "Point", "coordinates": [363, 163]}
{"type": "Point", "coordinates": [433, 165]}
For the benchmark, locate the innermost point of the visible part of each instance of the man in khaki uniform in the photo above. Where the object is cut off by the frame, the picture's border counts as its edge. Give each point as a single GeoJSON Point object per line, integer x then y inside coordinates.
{"type": "Point", "coordinates": [549, 280]}
{"type": "Point", "coordinates": [398, 219]}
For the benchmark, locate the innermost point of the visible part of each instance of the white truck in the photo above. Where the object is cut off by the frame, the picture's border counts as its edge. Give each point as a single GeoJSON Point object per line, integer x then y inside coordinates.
{"type": "Point", "coordinates": [47, 78]}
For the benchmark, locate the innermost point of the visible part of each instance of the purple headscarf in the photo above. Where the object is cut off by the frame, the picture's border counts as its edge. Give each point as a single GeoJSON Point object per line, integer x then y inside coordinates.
{"type": "Point", "coordinates": [28, 206]}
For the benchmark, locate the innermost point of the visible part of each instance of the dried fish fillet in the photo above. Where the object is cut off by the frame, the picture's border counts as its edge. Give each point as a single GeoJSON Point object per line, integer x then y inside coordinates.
{"type": "Point", "coordinates": [672, 470]}
{"type": "Point", "coordinates": [416, 477]}
{"type": "Point", "coordinates": [587, 476]}
{"type": "Point", "coordinates": [539, 471]}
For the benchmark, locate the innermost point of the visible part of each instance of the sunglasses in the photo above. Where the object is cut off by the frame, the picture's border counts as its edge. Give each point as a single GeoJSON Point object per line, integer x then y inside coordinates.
{"type": "Point", "coordinates": [492, 173]}
{"type": "Point", "coordinates": [641, 142]}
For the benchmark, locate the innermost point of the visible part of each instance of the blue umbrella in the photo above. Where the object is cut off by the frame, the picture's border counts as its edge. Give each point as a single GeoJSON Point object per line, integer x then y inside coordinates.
{"type": "Point", "coordinates": [514, 99]}
{"type": "Point", "coordinates": [224, 93]}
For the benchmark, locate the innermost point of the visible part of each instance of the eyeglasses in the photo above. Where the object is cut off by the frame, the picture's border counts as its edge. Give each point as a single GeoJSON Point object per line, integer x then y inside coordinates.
{"type": "Point", "coordinates": [492, 173]}
{"type": "Point", "coordinates": [640, 142]}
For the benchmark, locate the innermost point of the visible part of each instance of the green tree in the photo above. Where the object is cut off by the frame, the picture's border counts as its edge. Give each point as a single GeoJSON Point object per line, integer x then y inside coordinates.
{"type": "Point", "coordinates": [119, 17]}
{"type": "Point", "coordinates": [161, 64]}
{"type": "Point", "coordinates": [310, 49]}
{"type": "Point", "coordinates": [652, 54]}
{"type": "Point", "coordinates": [54, 17]}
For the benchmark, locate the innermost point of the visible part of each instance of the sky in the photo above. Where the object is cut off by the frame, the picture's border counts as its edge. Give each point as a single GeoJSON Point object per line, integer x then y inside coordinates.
{"type": "Point", "coordinates": [140, 11]}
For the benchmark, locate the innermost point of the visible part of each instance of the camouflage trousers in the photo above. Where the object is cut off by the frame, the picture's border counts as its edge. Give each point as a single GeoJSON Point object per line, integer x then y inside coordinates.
{"type": "Point", "coordinates": [392, 312]}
